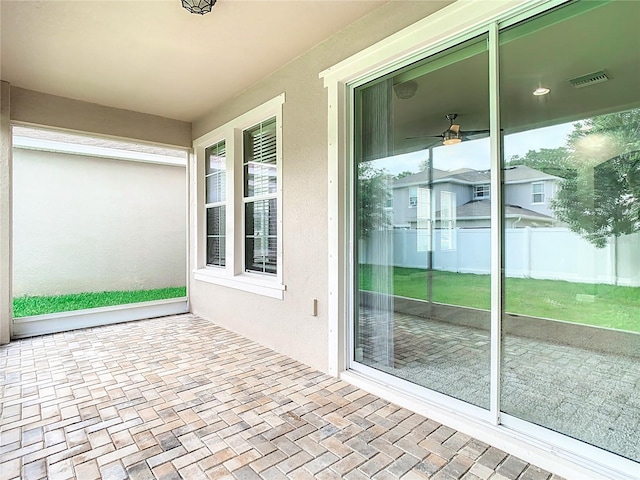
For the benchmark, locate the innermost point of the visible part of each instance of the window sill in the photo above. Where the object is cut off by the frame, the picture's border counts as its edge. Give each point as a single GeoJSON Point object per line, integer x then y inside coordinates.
{"type": "Point", "coordinates": [246, 282]}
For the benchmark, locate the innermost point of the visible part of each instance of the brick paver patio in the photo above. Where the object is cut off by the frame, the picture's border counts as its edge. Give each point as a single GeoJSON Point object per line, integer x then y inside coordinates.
{"type": "Point", "coordinates": [586, 394]}
{"type": "Point", "coordinates": [179, 397]}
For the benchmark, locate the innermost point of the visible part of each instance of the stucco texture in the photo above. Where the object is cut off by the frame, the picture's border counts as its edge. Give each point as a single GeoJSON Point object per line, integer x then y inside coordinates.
{"type": "Point", "coordinates": [287, 325]}
{"type": "Point", "coordinates": [90, 224]}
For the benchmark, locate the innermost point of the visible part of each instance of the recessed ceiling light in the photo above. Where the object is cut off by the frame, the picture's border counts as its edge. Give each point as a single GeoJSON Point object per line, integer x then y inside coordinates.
{"type": "Point", "coordinates": [541, 91]}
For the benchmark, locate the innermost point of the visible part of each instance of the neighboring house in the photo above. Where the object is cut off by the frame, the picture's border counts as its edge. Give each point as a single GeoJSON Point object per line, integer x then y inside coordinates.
{"type": "Point", "coordinates": [527, 192]}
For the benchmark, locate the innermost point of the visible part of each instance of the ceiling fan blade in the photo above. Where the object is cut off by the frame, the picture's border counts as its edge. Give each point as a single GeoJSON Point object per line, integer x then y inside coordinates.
{"type": "Point", "coordinates": [474, 132]}
{"type": "Point", "coordinates": [424, 136]}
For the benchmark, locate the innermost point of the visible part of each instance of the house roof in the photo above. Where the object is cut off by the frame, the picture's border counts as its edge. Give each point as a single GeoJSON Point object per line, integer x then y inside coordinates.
{"type": "Point", "coordinates": [515, 174]}
{"type": "Point", "coordinates": [522, 173]}
{"type": "Point", "coordinates": [482, 209]}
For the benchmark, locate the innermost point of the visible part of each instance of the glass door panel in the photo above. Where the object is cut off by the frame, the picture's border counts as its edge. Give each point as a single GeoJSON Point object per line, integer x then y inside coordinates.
{"type": "Point", "coordinates": [422, 224]}
{"type": "Point", "coordinates": [570, 110]}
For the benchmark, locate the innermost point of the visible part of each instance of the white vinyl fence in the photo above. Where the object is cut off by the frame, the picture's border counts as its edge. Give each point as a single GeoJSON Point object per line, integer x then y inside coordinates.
{"type": "Point", "coordinates": [541, 253]}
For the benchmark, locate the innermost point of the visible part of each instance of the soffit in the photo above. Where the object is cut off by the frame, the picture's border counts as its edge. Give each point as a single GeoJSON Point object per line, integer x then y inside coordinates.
{"type": "Point", "coordinates": [152, 56]}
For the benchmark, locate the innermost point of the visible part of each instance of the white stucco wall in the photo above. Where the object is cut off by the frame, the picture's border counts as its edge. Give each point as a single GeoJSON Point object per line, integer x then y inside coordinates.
{"type": "Point", "coordinates": [38, 108]}
{"type": "Point", "coordinates": [287, 325]}
{"type": "Point", "coordinates": [84, 223]}
{"type": "Point", "coordinates": [5, 214]}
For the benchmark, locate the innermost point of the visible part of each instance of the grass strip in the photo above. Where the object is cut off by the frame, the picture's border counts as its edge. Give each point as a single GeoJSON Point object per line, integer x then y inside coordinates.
{"type": "Point", "coordinates": [40, 305]}
{"type": "Point", "coordinates": [586, 303]}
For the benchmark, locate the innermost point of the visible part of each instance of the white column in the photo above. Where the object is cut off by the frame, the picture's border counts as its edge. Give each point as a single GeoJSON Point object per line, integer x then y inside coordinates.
{"type": "Point", "coordinates": [6, 309]}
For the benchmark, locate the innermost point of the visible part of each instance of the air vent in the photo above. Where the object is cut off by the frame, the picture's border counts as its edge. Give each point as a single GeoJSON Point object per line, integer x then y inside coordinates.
{"type": "Point", "coordinates": [589, 79]}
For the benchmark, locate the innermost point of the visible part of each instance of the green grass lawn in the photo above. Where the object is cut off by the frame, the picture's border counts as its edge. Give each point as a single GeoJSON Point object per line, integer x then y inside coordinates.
{"type": "Point", "coordinates": [40, 305]}
{"type": "Point", "coordinates": [591, 304]}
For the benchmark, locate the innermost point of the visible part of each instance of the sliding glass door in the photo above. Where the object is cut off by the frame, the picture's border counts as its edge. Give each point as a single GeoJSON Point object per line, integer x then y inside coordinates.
{"type": "Point", "coordinates": [571, 329]}
{"type": "Point", "coordinates": [566, 350]}
{"type": "Point", "coordinates": [423, 224]}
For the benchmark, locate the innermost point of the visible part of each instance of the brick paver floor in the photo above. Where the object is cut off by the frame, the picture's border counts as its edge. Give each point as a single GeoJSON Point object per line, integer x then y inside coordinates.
{"type": "Point", "coordinates": [179, 397]}
{"type": "Point", "coordinates": [585, 394]}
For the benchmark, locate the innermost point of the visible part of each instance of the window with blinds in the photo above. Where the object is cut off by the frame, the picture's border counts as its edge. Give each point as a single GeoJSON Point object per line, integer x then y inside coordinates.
{"type": "Point", "coordinates": [215, 203]}
{"type": "Point", "coordinates": [260, 178]}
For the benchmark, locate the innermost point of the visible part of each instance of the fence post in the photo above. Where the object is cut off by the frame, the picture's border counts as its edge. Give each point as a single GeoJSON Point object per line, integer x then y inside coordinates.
{"type": "Point", "coordinates": [528, 252]}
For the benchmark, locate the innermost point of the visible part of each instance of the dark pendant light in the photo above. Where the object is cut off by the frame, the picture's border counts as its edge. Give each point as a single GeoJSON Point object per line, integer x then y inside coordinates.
{"type": "Point", "coordinates": [199, 7]}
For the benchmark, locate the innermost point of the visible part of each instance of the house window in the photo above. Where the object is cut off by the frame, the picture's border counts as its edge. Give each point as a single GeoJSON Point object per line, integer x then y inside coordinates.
{"type": "Point", "coordinates": [538, 192]}
{"type": "Point", "coordinates": [260, 200]}
{"type": "Point", "coordinates": [413, 196]}
{"type": "Point", "coordinates": [215, 203]}
{"type": "Point", "coordinates": [481, 191]}
{"type": "Point", "coordinates": [237, 223]}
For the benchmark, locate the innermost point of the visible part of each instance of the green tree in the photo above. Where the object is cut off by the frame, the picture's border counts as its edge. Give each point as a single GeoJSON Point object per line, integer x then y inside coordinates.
{"type": "Point", "coordinates": [373, 195]}
{"type": "Point", "coordinates": [406, 173]}
{"type": "Point", "coordinates": [553, 161]}
{"type": "Point", "coordinates": [600, 196]}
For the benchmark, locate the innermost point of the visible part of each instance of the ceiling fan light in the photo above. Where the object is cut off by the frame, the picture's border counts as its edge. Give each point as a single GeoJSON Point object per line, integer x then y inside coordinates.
{"type": "Point", "coordinates": [541, 91]}
{"type": "Point", "coordinates": [199, 7]}
{"type": "Point", "coordinates": [451, 136]}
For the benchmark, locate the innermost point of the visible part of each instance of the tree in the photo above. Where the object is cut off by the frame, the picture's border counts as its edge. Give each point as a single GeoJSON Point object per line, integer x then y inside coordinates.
{"type": "Point", "coordinates": [373, 194]}
{"type": "Point", "coordinates": [600, 196]}
{"type": "Point", "coordinates": [406, 173]}
{"type": "Point", "coordinates": [553, 161]}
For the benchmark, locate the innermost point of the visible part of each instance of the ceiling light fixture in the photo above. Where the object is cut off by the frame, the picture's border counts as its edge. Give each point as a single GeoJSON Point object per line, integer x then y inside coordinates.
{"type": "Point", "coordinates": [199, 7]}
{"type": "Point", "coordinates": [541, 91]}
{"type": "Point", "coordinates": [406, 90]}
{"type": "Point", "coordinates": [451, 137]}
{"type": "Point", "coordinates": [453, 134]}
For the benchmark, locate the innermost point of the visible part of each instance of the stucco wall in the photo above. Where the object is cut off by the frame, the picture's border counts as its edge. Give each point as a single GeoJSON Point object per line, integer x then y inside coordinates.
{"type": "Point", "coordinates": [43, 109]}
{"type": "Point", "coordinates": [92, 224]}
{"type": "Point", "coordinates": [5, 214]}
{"type": "Point", "coordinates": [287, 325]}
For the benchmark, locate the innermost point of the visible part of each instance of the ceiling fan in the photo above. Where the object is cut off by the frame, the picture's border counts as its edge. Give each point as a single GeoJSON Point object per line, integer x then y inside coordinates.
{"type": "Point", "coordinates": [453, 134]}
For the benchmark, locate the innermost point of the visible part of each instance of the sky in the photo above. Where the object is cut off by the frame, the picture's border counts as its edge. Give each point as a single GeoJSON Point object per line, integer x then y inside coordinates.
{"type": "Point", "coordinates": [475, 154]}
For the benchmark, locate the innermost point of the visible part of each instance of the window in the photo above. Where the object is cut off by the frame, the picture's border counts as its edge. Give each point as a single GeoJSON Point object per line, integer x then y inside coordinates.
{"type": "Point", "coordinates": [237, 223]}
{"type": "Point", "coordinates": [215, 196]}
{"type": "Point", "coordinates": [538, 192]}
{"type": "Point", "coordinates": [481, 191]}
{"type": "Point", "coordinates": [413, 196]}
{"type": "Point", "coordinates": [260, 201]}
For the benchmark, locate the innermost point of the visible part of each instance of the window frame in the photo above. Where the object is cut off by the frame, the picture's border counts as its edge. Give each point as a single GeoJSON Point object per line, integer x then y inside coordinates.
{"type": "Point", "coordinates": [534, 193]}
{"type": "Point", "coordinates": [233, 274]}
{"type": "Point", "coordinates": [256, 198]}
{"type": "Point", "coordinates": [215, 205]}
{"type": "Point", "coordinates": [484, 188]}
{"type": "Point", "coordinates": [413, 196]}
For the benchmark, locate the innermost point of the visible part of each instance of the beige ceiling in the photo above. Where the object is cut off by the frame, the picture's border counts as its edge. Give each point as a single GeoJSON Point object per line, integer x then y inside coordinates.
{"type": "Point", "coordinates": [153, 56]}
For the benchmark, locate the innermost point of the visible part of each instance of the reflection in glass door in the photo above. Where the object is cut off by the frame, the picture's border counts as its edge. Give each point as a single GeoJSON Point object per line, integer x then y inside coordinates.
{"type": "Point", "coordinates": [571, 330]}
{"type": "Point", "coordinates": [423, 224]}
{"type": "Point", "coordinates": [568, 298]}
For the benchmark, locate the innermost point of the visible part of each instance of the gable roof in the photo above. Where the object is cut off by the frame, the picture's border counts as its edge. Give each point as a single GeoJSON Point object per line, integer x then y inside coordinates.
{"type": "Point", "coordinates": [514, 174]}
{"type": "Point", "coordinates": [477, 209]}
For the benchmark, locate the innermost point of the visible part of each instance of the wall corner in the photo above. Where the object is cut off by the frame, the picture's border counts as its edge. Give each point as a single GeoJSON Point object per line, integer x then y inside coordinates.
{"type": "Point", "coordinates": [6, 301]}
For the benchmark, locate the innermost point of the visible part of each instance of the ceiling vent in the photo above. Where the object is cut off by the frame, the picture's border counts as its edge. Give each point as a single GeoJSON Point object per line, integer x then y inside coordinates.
{"type": "Point", "coordinates": [589, 79]}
